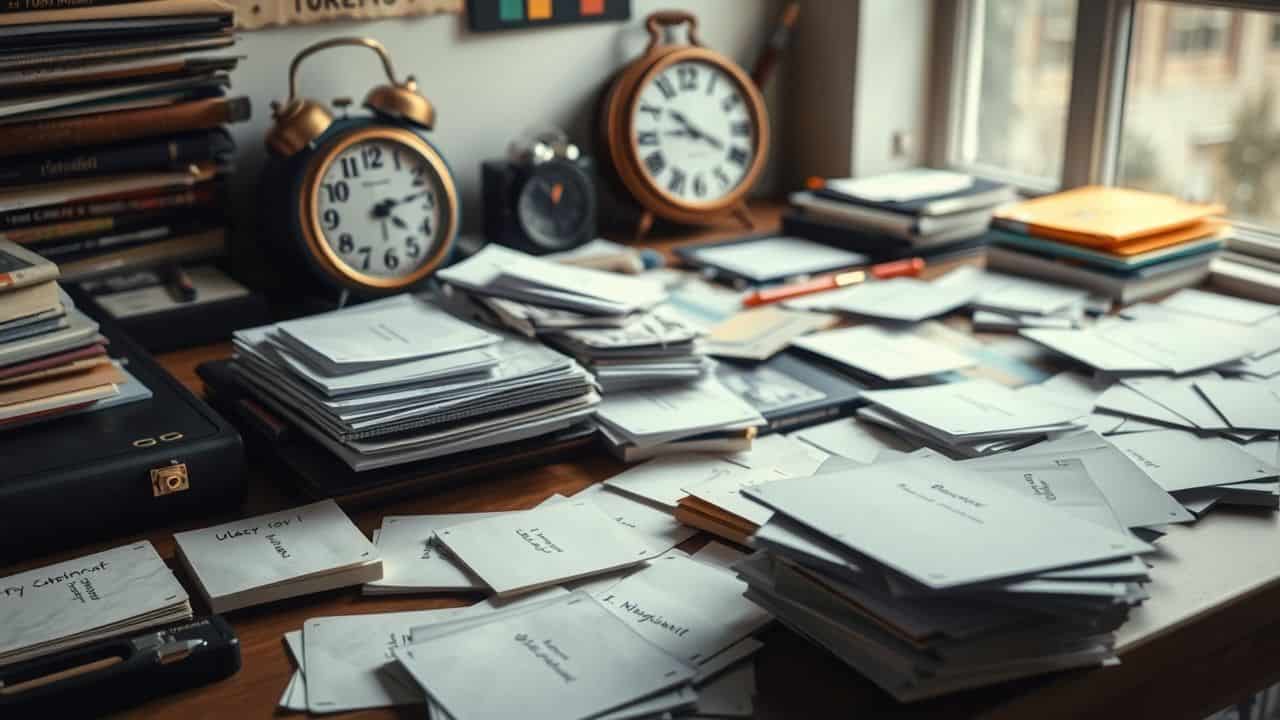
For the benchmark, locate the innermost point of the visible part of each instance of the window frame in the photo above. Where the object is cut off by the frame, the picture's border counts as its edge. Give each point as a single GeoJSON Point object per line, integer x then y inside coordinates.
{"type": "Point", "coordinates": [1096, 101]}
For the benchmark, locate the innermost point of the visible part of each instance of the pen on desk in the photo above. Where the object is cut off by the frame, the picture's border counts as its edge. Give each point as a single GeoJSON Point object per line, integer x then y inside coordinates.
{"type": "Point", "coordinates": [883, 271]}
{"type": "Point", "coordinates": [179, 284]}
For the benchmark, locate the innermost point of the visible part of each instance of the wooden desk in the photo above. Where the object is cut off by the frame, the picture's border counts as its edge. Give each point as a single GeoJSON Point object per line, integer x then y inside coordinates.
{"type": "Point", "coordinates": [1208, 663]}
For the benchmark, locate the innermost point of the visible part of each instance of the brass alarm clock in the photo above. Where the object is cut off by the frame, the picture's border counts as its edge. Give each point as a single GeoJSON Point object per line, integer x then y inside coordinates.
{"type": "Point", "coordinates": [363, 203]}
{"type": "Point", "coordinates": [686, 129]}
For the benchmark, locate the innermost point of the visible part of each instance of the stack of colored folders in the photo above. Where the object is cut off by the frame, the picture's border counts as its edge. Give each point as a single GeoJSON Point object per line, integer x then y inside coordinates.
{"type": "Point", "coordinates": [1126, 244]}
{"type": "Point", "coordinates": [112, 152]}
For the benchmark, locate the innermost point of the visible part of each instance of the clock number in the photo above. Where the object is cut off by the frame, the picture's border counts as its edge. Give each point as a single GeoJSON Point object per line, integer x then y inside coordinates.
{"type": "Point", "coordinates": [730, 102]}
{"type": "Point", "coordinates": [688, 77]}
{"type": "Point", "coordinates": [365, 252]}
{"type": "Point", "coordinates": [648, 137]}
{"type": "Point", "coordinates": [429, 200]}
{"type": "Point", "coordinates": [419, 175]}
{"type": "Point", "coordinates": [390, 260]}
{"type": "Point", "coordinates": [332, 219]}
{"type": "Point", "coordinates": [372, 156]}
{"type": "Point", "coordinates": [738, 156]}
{"type": "Point", "coordinates": [676, 186]}
{"type": "Point", "coordinates": [722, 176]}
{"type": "Point", "coordinates": [655, 163]}
{"type": "Point", "coordinates": [653, 110]}
{"type": "Point", "coordinates": [412, 248]}
{"type": "Point", "coordinates": [337, 192]}
{"type": "Point", "coordinates": [395, 155]}
{"type": "Point", "coordinates": [742, 129]}
{"type": "Point", "coordinates": [711, 84]}
{"type": "Point", "coordinates": [664, 85]}
{"type": "Point", "coordinates": [350, 168]}
{"type": "Point", "coordinates": [346, 243]}
{"type": "Point", "coordinates": [699, 185]}
{"type": "Point", "coordinates": [426, 226]}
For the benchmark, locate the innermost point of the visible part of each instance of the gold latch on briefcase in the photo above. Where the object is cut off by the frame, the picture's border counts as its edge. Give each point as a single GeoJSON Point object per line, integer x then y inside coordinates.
{"type": "Point", "coordinates": [170, 479]}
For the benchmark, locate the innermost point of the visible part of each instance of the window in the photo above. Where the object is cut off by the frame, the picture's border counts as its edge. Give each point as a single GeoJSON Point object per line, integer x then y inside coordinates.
{"type": "Point", "coordinates": [1204, 135]}
{"type": "Point", "coordinates": [1168, 95]}
{"type": "Point", "coordinates": [1016, 89]}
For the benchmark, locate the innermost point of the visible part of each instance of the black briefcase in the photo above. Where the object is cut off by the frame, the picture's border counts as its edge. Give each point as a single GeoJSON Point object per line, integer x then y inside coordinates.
{"type": "Point", "coordinates": [117, 471]}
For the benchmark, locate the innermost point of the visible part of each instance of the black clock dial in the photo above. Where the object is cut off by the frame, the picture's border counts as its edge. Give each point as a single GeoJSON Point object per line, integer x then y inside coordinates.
{"type": "Point", "coordinates": [555, 204]}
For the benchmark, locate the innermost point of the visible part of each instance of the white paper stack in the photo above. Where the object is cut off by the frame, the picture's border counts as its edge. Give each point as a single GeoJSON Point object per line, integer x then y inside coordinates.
{"type": "Point", "coordinates": [611, 323]}
{"type": "Point", "coordinates": [973, 417]}
{"type": "Point", "coordinates": [881, 355]}
{"type": "Point", "coordinates": [1203, 471]}
{"type": "Point", "coordinates": [566, 658]}
{"type": "Point", "coordinates": [400, 380]}
{"type": "Point", "coordinates": [703, 416]}
{"type": "Point", "coordinates": [115, 592]}
{"type": "Point", "coordinates": [279, 555]}
{"type": "Point", "coordinates": [929, 577]}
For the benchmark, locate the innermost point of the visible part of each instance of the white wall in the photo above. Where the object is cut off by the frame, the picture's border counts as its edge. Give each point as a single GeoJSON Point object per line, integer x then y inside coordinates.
{"type": "Point", "coordinates": [893, 56]}
{"type": "Point", "coordinates": [486, 87]}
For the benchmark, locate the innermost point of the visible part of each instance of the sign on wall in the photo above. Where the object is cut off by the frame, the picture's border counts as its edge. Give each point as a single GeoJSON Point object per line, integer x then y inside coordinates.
{"type": "Point", "coordinates": [254, 14]}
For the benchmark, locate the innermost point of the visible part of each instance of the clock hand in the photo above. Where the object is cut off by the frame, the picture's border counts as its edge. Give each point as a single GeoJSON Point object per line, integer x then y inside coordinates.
{"type": "Point", "coordinates": [385, 236]}
{"type": "Point", "coordinates": [692, 131]}
{"type": "Point", "coordinates": [399, 223]}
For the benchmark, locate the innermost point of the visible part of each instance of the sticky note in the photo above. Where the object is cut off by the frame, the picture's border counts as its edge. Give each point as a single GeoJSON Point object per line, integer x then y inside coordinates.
{"type": "Point", "coordinates": [510, 10]}
{"type": "Point", "coordinates": [539, 9]}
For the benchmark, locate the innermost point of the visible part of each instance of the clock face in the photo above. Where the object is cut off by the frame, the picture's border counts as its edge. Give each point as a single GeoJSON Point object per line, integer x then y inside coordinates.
{"type": "Point", "coordinates": [381, 208]}
{"type": "Point", "coordinates": [554, 205]}
{"type": "Point", "coordinates": [694, 134]}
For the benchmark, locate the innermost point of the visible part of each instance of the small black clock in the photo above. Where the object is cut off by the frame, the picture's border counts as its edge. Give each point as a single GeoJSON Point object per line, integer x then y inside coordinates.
{"type": "Point", "coordinates": [541, 199]}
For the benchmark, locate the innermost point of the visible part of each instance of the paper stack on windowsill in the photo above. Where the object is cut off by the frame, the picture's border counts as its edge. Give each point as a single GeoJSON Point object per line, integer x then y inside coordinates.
{"type": "Point", "coordinates": [999, 574]}
{"type": "Point", "coordinates": [400, 380]}
{"type": "Point", "coordinates": [613, 324]}
{"type": "Point", "coordinates": [972, 418]}
{"type": "Point", "coordinates": [275, 556]}
{"type": "Point", "coordinates": [116, 592]}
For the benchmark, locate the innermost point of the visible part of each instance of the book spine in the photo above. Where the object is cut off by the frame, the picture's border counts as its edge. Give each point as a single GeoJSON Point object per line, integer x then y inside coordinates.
{"type": "Point", "coordinates": [22, 6]}
{"type": "Point", "coordinates": [182, 249]}
{"type": "Point", "coordinates": [102, 128]}
{"type": "Point", "coordinates": [27, 277]}
{"type": "Point", "coordinates": [25, 219]}
{"type": "Point", "coordinates": [165, 154]}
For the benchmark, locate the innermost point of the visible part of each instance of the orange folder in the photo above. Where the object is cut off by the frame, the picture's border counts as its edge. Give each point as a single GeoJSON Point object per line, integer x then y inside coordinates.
{"type": "Point", "coordinates": [1099, 216]}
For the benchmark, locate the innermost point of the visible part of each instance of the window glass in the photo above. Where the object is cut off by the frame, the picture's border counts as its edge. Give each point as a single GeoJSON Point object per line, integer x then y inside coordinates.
{"type": "Point", "coordinates": [1202, 107]}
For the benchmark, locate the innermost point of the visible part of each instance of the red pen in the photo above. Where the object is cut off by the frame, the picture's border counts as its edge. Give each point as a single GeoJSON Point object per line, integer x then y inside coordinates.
{"type": "Point", "coordinates": [908, 267]}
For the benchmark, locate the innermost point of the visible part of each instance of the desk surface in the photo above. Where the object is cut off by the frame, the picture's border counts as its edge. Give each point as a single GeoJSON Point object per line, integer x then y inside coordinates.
{"type": "Point", "coordinates": [1219, 579]}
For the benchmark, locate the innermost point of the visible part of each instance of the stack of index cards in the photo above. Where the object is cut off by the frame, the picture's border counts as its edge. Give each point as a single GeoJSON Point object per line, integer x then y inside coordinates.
{"type": "Point", "coordinates": [643, 423]}
{"type": "Point", "coordinates": [613, 324]}
{"type": "Point", "coordinates": [973, 417]}
{"type": "Point", "coordinates": [114, 592]}
{"type": "Point", "coordinates": [280, 555]}
{"type": "Point", "coordinates": [930, 577]}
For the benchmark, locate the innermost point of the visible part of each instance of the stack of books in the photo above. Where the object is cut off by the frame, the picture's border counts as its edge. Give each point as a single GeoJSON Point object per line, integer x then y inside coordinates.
{"type": "Point", "coordinates": [400, 380]}
{"type": "Point", "coordinates": [111, 138]}
{"type": "Point", "coordinates": [994, 578]}
{"type": "Point", "coordinates": [1250, 266]}
{"type": "Point", "coordinates": [917, 212]}
{"type": "Point", "coordinates": [1126, 244]}
{"type": "Point", "coordinates": [52, 360]}
{"type": "Point", "coordinates": [613, 324]}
